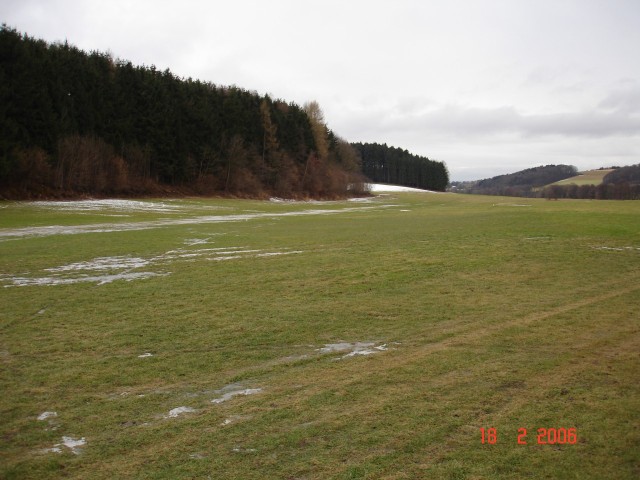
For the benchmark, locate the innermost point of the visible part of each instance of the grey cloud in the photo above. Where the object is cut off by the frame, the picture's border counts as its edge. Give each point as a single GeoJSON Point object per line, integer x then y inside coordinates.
{"type": "Point", "coordinates": [625, 100]}
{"type": "Point", "coordinates": [454, 120]}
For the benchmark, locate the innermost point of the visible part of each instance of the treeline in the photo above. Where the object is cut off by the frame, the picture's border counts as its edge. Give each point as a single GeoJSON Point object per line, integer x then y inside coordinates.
{"type": "Point", "coordinates": [74, 123]}
{"type": "Point", "coordinates": [524, 183]}
{"type": "Point", "coordinates": [604, 191]}
{"type": "Point", "coordinates": [623, 183]}
{"type": "Point", "coordinates": [630, 175]}
{"type": "Point", "coordinates": [395, 166]}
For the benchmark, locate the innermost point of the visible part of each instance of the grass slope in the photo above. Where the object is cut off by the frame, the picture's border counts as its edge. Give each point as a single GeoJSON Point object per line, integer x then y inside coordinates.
{"type": "Point", "coordinates": [589, 177]}
{"type": "Point", "coordinates": [486, 313]}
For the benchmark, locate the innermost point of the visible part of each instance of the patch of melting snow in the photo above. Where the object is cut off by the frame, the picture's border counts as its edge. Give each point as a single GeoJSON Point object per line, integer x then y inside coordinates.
{"type": "Point", "coordinates": [113, 204]}
{"type": "Point", "coordinates": [179, 411]}
{"type": "Point", "coordinates": [73, 444]}
{"type": "Point", "coordinates": [244, 450]}
{"type": "Point", "coordinates": [99, 279]}
{"type": "Point", "coordinates": [273, 254]}
{"type": "Point", "coordinates": [230, 420]}
{"type": "Point", "coordinates": [353, 349]}
{"type": "Point", "coordinates": [110, 269]}
{"type": "Point", "coordinates": [511, 205]}
{"type": "Point", "coordinates": [47, 415]}
{"type": "Point", "coordinates": [103, 263]}
{"type": "Point", "coordinates": [617, 249]}
{"type": "Point", "coordinates": [12, 233]}
{"type": "Point", "coordinates": [196, 241]}
{"type": "Point", "coordinates": [379, 187]}
{"type": "Point", "coordinates": [235, 393]}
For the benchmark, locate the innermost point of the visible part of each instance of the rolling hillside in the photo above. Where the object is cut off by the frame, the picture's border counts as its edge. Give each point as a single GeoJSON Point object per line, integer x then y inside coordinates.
{"type": "Point", "coordinates": [589, 177]}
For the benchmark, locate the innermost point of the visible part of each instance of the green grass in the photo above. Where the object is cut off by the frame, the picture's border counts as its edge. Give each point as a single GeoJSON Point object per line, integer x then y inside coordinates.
{"type": "Point", "coordinates": [589, 177]}
{"type": "Point", "coordinates": [494, 315]}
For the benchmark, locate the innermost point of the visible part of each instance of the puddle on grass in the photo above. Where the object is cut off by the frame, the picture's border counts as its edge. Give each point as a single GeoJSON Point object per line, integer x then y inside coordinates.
{"type": "Point", "coordinates": [353, 349]}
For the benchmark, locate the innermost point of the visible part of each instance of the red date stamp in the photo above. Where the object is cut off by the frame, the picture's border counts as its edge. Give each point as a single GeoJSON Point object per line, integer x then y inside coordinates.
{"type": "Point", "coordinates": [543, 436]}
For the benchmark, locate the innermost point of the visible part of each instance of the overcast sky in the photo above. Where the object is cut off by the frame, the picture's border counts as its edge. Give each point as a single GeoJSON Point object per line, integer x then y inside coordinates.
{"type": "Point", "coordinates": [487, 86]}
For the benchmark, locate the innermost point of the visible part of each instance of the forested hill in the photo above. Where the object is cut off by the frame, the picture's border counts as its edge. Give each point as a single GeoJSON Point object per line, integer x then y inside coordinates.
{"type": "Point", "coordinates": [77, 123]}
{"type": "Point", "coordinates": [392, 165]}
{"type": "Point", "coordinates": [630, 175]}
{"type": "Point", "coordinates": [522, 183]}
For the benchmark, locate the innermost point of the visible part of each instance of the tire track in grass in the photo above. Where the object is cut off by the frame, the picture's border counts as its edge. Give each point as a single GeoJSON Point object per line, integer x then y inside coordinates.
{"type": "Point", "coordinates": [463, 335]}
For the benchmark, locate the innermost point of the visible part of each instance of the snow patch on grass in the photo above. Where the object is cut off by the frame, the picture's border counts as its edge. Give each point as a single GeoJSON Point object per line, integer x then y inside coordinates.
{"type": "Point", "coordinates": [47, 415]}
{"type": "Point", "coordinates": [109, 269]}
{"type": "Point", "coordinates": [73, 444]}
{"type": "Point", "coordinates": [179, 411]}
{"type": "Point", "coordinates": [353, 349]}
{"type": "Point", "coordinates": [234, 393]}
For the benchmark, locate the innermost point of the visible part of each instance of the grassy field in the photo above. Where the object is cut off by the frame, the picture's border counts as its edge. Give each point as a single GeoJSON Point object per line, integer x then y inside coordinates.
{"type": "Point", "coordinates": [590, 177]}
{"type": "Point", "coordinates": [231, 339]}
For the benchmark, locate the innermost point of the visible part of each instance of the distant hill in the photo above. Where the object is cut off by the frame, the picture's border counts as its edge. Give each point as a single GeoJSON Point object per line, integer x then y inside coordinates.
{"type": "Point", "coordinates": [616, 183]}
{"type": "Point", "coordinates": [630, 175]}
{"type": "Point", "coordinates": [588, 177]}
{"type": "Point", "coordinates": [522, 183]}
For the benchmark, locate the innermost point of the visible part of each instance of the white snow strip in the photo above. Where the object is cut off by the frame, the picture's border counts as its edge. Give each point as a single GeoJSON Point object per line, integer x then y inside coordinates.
{"type": "Point", "coordinates": [136, 226]}
{"type": "Point", "coordinates": [353, 349]}
{"type": "Point", "coordinates": [273, 254]}
{"type": "Point", "coordinates": [379, 187]}
{"type": "Point", "coordinates": [46, 415]}
{"type": "Point", "coordinates": [230, 395]}
{"type": "Point", "coordinates": [146, 355]}
{"type": "Point", "coordinates": [103, 263]}
{"type": "Point", "coordinates": [511, 205]}
{"type": "Point", "coordinates": [71, 443]}
{"type": "Point", "coordinates": [179, 411]}
{"type": "Point", "coordinates": [112, 204]}
{"type": "Point", "coordinates": [99, 279]}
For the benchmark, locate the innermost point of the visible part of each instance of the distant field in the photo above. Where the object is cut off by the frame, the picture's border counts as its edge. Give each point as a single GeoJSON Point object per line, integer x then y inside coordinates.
{"type": "Point", "coordinates": [589, 177]}
{"type": "Point", "coordinates": [237, 339]}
